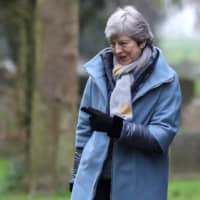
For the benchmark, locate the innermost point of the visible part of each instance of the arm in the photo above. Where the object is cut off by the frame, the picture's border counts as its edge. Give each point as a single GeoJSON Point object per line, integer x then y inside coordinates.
{"type": "Point", "coordinates": [77, 158]}
{"type": "Point", "coordinates": [159, 133]}
{"type": "Point", "coordinates": [83, 132]}
{"type": "Point", "coordinates": [153, 137]}
{"type": "Point", "coordinates": [83, 129]}
{"type": "Point", "coordinates": [140, 137]}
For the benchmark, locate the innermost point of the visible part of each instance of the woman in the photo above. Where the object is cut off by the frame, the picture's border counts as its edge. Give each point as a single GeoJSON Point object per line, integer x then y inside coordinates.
{"type": "Point", "coordinates": [130, 113]}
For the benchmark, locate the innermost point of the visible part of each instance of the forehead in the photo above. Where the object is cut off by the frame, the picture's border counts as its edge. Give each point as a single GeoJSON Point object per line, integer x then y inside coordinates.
{"type": "Point", "coordinates": [120, 37]}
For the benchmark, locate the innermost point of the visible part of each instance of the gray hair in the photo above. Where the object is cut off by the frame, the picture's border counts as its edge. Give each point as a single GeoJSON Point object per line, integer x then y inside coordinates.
{"type": "Point", "coordinates": [130, 21]}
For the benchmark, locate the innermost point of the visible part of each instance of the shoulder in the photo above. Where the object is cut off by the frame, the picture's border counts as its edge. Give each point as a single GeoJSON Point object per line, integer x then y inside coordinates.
{"type": "Point", "coordinates": [162, 69]}
{"type": "Point", "coordinates": [95, 66]}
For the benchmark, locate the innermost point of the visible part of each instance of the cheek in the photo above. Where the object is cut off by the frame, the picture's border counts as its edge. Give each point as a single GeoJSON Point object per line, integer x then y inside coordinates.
{"type": "Point", "coordinates": [135, 53]}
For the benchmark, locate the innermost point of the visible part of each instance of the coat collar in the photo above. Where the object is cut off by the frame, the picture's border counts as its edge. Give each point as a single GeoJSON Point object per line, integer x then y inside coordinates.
{"type": "Point", "coordinates": [161, 74]}
{"type": "Point", "coordinates": [95, 69]}
{"type": "Point", "coordinates": [95, 66]}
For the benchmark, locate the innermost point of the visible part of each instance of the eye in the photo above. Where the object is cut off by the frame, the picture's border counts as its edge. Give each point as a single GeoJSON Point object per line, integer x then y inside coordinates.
{"type": "Point", "coordinates": [123, 43]}
{"type": "Point", "coordinates": [112, 44]}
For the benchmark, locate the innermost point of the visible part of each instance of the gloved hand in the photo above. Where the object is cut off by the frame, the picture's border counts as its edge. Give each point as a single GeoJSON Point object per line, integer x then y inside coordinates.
{"type": "Point", "coordinates": [71, 184]}
{"type": "Point", "coordinates": [101, 121]}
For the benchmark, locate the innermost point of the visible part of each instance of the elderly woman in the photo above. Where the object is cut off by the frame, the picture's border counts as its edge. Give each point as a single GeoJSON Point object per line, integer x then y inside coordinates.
{"type": "Point", "coordinates": [130, 113]}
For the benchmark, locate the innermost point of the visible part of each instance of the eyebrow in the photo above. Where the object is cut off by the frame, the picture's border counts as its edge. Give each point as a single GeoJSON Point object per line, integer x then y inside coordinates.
{"type": "Point", "coordinates": [125, 40]}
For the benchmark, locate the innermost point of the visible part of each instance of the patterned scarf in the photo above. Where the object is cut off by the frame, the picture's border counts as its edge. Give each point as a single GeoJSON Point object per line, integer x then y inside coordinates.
{"type": "Point", "coordinates": [120, 100]}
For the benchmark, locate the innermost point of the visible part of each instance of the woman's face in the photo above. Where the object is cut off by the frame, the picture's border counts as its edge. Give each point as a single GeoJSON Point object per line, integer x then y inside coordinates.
{"type": "Point", "coordinates": [125, 49]}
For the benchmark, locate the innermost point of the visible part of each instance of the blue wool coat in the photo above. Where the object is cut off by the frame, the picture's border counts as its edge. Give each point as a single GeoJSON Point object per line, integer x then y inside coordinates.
{"type": "Point", "coordinates": [136, 174]}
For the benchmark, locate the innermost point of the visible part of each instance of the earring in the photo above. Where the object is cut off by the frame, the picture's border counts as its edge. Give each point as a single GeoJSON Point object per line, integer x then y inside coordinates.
{"type": "Point", "coordinates": [142, 46]}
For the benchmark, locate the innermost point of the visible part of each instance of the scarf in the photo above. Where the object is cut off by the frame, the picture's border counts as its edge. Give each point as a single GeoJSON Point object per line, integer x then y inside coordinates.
{"type": "Point", "coordinates": [120, 100]}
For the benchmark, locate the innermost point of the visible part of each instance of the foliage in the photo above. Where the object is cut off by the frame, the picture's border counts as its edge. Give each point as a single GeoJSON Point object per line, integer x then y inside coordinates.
{"type": "Point", "coordinates": [175, 1]}
{"type": "Point", "coordinates": [91, 25]}
{"type": "Point", "coordinates": [171, 2]}
{"type": "Point", "coordinates": [88, 11]}
{"type": "Point", "coordinates": [92, 39]}
{"type": "Point", "coordinates": [12, 16]}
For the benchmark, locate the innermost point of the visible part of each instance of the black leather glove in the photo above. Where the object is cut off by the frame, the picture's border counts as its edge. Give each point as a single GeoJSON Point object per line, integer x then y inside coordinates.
{"type": "Point", "coordinates": [71, 184]}
{"type": "Point", "coordinates": [101, 121]}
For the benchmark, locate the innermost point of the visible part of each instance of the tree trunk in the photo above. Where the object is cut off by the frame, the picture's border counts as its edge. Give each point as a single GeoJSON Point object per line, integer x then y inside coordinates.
{"type": "Point", "coordinates": [45, 45]}
{"type": "Point", "coordinates": [17, 20]}
{"type": "Point", "coordinates": [55, 95]}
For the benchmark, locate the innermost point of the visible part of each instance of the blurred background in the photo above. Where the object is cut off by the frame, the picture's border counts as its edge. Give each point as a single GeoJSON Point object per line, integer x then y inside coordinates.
{"type": "Point", "coordinates": [43, 45]}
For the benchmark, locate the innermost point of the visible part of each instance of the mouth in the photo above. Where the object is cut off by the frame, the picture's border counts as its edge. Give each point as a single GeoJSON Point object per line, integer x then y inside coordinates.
{"type": "Point", "coordinates": [122, 58]}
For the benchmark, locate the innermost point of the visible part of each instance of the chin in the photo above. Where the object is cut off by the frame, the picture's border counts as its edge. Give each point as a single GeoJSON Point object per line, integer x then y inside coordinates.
{"type": "Point", "coordinates": [125, 63]}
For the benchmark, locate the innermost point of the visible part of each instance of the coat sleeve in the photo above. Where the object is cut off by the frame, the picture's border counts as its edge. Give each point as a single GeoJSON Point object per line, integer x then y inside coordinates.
{"type": "Point", "coordinates": [83, 129]}
{"type": "Point", "coordinates": [159, 133]}
{"type": "Point", "coordinates": [77, 158]}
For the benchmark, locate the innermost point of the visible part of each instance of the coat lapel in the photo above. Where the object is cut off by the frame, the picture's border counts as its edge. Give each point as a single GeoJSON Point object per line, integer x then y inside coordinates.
{"type": "Point", "coordinates": [95, 69]}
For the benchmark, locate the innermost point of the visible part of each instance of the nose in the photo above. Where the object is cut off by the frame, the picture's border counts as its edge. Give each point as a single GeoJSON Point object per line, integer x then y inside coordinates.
{"type": "Point", "coordinates": [117, 49]}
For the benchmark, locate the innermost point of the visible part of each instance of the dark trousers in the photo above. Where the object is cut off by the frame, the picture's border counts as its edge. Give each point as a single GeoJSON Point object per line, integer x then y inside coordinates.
{"type": "Point", "coordinates": [103, 190]}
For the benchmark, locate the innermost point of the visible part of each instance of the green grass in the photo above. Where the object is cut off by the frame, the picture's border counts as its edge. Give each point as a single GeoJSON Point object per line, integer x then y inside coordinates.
{"type": "Point", "coordinates": [57, 196]}
{"type": "Point", "coordinates": [8, 180]}
{"type": "Point", "coordinates": [4, 168]}
{"type": "Point", "coordinates": [178, 190]}
{"type": "Point", "coordinates": [176, 51]}
{"type": "Point", "coordinates": [184, 190]}
{"type": "Point", "coordinates": [10, 173]}
{"type": "Point", "coordinates": [197, 87]}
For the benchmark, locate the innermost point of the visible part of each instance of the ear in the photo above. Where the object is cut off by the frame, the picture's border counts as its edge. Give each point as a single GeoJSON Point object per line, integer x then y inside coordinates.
{"type": "Point", "coordinates": [142, 45]}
